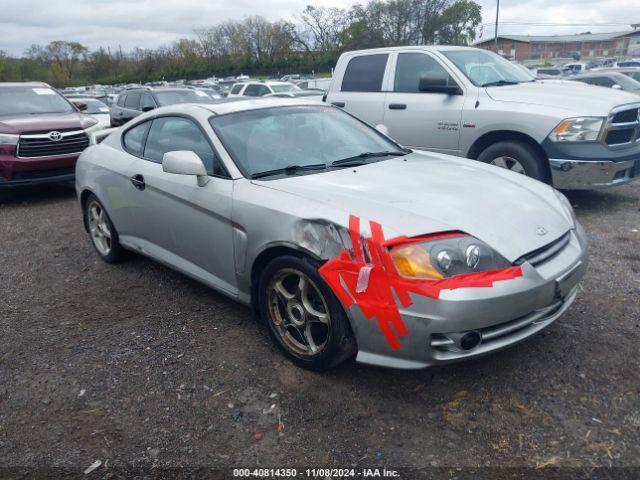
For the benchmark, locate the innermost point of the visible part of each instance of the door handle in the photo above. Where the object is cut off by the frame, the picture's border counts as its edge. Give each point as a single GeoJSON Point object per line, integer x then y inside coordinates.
{"type": "Point", "coordinates": [138, 181]}
{"type": "Point", "coordinates": [397, 106]}
{"type": "Point", "coordinates": [338, 104]}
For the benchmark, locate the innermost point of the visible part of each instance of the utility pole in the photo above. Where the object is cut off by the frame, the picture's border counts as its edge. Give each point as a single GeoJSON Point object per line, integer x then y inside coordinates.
{"type": "Point", "coordinates": [495, 37]}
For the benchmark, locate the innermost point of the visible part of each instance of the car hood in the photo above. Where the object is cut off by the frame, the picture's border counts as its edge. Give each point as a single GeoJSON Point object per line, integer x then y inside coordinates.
{"type": "Point", "coordinates": [29, 123]}
{"type": "Point", "coordinates": [428, 193]}
{"type": "Point", "coordinates": [575, 97]}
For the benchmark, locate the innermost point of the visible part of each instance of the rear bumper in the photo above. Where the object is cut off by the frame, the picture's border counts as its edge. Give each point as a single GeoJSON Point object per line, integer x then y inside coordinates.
{"type": "Point", "coordinates": [579, 174]}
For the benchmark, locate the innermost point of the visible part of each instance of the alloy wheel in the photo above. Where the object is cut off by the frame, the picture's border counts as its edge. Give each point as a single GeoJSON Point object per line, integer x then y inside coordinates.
{"type": "Point", "coordinates": [99, 228]}
{"type": "Point", "coordinates": [509, 163]}
{"type": "Point", "coordinates": [298, 312]}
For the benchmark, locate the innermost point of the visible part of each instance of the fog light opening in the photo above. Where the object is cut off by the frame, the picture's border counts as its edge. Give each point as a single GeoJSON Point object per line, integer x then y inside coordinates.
{"type": "Point", "coordinates": [470, 340]}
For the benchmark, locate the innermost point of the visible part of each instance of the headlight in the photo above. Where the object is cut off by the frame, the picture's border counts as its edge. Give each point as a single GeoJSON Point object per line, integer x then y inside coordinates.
{"type": "Point", "coordinates": [566, 205]}
{"type": "Point", "coordinates": [8, 139]}
{"type": "Point", "coordinates": [93, 128]}
{"type": "Point", "coordinates": [580, 129]}
{"type": "Point", "coordinates": [445, 256]}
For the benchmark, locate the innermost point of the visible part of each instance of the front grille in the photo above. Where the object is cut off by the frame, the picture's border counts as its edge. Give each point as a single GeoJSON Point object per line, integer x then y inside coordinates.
{"type": "Point", "coordinates": [546, 253]}
{"type": "Point", "coordinates": [40, 145]}
{"type": "Point", "coordinates": [623, 127]}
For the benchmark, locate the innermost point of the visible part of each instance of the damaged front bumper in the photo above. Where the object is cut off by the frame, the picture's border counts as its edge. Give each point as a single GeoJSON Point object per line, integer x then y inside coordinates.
{"type": "Point", "coordinates": [496, 317]}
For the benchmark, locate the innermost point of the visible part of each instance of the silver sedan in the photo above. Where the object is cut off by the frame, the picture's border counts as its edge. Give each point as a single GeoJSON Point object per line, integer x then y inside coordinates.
{"type": "Point", "coordinates": [342, 241]}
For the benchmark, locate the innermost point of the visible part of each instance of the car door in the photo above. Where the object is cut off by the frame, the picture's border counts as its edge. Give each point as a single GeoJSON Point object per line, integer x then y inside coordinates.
{"type": "Point", "coordinates": [424, 120]}
{"type": "Point", "coordinates": [131, 106]}
{"type": "Point", "coordinates": [117, 110]}
{"type": "Point", "coordinates": [252, 90]}
{"type": "Point", "coordinates": [147, 102]}
{"type": "Point", "coordinates": [360, 92]}
{"type": "Point", "coordinates": [178, 222]}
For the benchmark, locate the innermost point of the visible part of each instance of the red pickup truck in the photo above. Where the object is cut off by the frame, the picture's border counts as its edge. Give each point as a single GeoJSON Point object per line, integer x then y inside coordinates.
{"type": "Point", "coordinates": [41, 135]}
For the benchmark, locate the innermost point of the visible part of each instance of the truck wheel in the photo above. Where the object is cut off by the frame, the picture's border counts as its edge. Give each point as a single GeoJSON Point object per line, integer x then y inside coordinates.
{"type": "Point", "coordinates": [303, 315]}
{"type": "Point", "coordinates": [517, 157]}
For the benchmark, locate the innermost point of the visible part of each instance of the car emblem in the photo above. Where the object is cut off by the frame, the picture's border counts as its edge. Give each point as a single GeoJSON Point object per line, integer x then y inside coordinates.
{"type": "Point", "coordinates": [541, 231]}
{"type": "Point", "coordinates": [55, 136]}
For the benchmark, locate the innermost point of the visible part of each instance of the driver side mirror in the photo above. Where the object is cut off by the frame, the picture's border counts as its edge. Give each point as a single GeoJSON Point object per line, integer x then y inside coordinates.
{"type": "Point", "coordinates": [185, 162]}
{"type": "Point", "coordinates": [616, 87]}
{"type": "Point", "coordinates": [148, 108]}
{"type": "Point", "coordinates": [80, 105]}
{"type": "Point", "coordinates": [438, 85]}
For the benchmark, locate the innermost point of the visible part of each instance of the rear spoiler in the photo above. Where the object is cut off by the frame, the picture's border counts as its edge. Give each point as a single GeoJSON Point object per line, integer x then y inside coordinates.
{"type": "Point", "coordinates": [100, 135]}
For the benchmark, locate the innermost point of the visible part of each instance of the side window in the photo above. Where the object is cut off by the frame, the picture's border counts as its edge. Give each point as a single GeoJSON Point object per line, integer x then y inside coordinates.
{"type": "Point", "coordinates": [132, 101]}
{"type": "Point", "coordinates": [413, 66]}
{"type": "Point", "coordinates": [263, 90]}
{"type": "Point", "coordinates": [133, 139]}
{"type": "Point", "coordinates": [252, 90]}
{"type": "Point", "coordinates": [236, 89]}
{"type": "Point", "coordinates": [365, 73]}
{"type": "Point", "coordinates": [176, 133]}
{"type": "Point", "coordinates": [147, 102]}
{"type": "Point", "coordinates": [120, 101]}
{"type": "Point", "coordinates": [603, 82]}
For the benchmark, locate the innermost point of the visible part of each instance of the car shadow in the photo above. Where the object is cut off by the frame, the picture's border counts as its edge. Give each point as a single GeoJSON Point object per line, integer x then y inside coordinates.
{"type": "Point", "coordinates": [590, 201]}
{"type": "Point", "coordinates": [36, 194]}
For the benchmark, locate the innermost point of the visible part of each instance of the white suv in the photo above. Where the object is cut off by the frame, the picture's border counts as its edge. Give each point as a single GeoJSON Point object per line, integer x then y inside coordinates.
{"type": "Point", "coordinates": [260, 89]}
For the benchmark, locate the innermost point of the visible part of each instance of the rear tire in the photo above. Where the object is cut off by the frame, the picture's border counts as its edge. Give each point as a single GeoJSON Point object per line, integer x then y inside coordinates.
{"type": "Point", "coordinates": [303, 315]}
{"type": "Point", "coordinates": [103, 234]}
{"type": "Point", "coordinates": [516, 156]}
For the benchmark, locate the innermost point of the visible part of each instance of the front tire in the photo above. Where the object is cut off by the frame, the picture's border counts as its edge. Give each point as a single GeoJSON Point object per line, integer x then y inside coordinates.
{"type": "Point", "coordinates": [303, 315]}
{"type": "Point", "coordinates": [519, 157]}
{"type": "Point", "coordinates": [104, 236]}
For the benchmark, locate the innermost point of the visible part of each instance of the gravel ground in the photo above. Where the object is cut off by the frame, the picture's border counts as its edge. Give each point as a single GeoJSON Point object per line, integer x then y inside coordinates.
{"type": "Point", "coordinates": [140, 367]}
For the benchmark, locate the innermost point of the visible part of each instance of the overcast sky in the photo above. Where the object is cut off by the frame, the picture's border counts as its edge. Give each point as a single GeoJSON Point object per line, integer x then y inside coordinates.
{"type": "Point", "coordinates": [150, 23]}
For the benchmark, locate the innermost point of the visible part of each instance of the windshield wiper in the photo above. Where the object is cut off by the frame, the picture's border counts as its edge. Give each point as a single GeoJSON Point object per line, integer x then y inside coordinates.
{"type": "Point", "coordinates": [361, 159]}
{"type": "Point", "coordinates": [499, 83]}
{"type": "Point", "coordinates": [289, 170]}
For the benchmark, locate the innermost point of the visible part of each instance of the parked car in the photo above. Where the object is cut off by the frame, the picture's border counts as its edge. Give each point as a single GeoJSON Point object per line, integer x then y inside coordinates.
{"type": "Point", "coordinates": [548, 72]}
{"type": "Point", "coordinates": [95, 108]}
{"type": "Point", "coordinates": [616, 80]}
{"type": "Point", "coordinates": [260, 89]}
{"type": "Point", "coordinates": [41, 135]}
{"type": "Point", "coordinates": [342, 240]}
{"type": "Point", "coordinates": [635, 62]}
{"type": "Point", "coordinates": [628, 71]}
{"type": "Point", "coordinates": [132, 103]}
{"type": "Point", "coordinates": [473, 103]}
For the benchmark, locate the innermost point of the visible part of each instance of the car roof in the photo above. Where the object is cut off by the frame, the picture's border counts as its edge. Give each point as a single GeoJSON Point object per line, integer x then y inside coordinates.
{"type": "Point", "coordinates": [428, 48]}
{"type": "Point", "coordinates": [24, 84]}
{"type": "Point", "coordinates": [231, 106]}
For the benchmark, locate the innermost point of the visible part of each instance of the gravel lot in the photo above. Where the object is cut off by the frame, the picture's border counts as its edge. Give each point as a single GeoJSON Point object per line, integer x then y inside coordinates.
{"type": "Point", "coordinates": [138, 366]}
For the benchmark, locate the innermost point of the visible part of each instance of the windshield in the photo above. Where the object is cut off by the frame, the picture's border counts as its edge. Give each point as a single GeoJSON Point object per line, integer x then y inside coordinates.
{"type": "Point", "coordinates": [634, 75]}
{"type": "Point", "coordinates": [181, 96]}
{"type": "Point", "coordinates": [486, 68]}
{"type": "Point", "coordinates": [274, 138]}
{"type": "Point", "coordinates": [26, 100]}
{"type": "Point", "coordinates": [284, 88]}
{"type": "Point", "coordinates": [94, 106]}
{"type": "Point", "coordinates": [627, 83]}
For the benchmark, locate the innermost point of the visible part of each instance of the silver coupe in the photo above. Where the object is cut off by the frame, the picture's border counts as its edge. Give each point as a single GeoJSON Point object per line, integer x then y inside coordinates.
{"type": "Point", "coordinates": [342, 241]}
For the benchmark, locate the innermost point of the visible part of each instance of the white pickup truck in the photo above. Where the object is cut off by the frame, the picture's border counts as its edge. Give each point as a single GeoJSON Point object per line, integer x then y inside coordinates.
{"type": "Point", "coordinates": [473, 103]}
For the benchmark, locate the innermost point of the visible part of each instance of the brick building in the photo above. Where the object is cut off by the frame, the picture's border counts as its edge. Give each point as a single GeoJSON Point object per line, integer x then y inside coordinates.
{"type": "Point", "coordinates": [587, 45]}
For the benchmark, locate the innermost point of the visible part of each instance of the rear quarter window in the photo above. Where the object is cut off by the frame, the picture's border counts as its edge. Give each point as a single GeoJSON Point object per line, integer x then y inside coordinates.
{"type": "Point", "coordinates": [365, 73]}
{"type": "Point", "coordinates": [133, 139]}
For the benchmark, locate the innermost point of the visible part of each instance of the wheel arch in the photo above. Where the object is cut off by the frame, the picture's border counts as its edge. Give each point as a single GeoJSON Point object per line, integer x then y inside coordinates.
{"type": "Point", "coordinates": [490, 138]}
{"type": "Point", "coordinates": [84, 196]}
{"type": "Point", "coordinates": [270, 252]}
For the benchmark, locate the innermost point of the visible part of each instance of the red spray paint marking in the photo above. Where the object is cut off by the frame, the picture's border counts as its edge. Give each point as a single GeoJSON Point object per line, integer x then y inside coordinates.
{"type": "Point", "coordinates": [377, 299]}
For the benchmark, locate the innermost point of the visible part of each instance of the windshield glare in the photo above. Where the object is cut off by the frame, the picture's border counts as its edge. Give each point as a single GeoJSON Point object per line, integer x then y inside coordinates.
{"type": "Point", "coordinates": [482, 67]}
{"type": "Point", "coordinates": [186, 96]}
{"type": "Point", "coordinates": [25, 100]}
{"type": "Point", "coordinates": [274, 138]}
